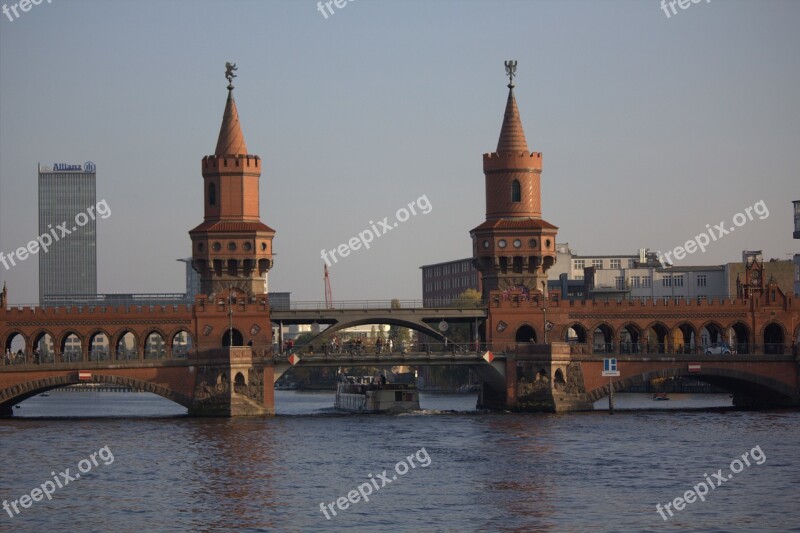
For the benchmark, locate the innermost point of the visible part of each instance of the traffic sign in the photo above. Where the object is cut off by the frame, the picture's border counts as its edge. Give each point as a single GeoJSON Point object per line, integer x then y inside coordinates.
{"type": "Point", "coordinates": [294, 359]}
{"type": "Point", "coordinates": [488, 357]}
{"type": "Point", "coordinates": [610, 367]}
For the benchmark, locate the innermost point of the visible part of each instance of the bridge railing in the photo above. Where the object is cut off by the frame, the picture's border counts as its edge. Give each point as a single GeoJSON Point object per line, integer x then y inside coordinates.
{"type": "Point", "coordinates": [397, 348]}
{"type": "Point", "coordinates": [681, 349]}
{"type": "Point", "coordinates": [364, 305]}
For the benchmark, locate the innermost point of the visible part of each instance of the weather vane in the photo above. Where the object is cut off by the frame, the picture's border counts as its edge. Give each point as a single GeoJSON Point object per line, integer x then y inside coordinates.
{"type": "Point", "coordinates": [511, 71]}
{"type": "Point", "coordinates": [229, 73]}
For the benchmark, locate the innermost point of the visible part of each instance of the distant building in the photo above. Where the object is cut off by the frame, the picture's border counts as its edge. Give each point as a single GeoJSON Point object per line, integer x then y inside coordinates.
{"type": "Point", "coordinates": [67, 198]}
{"type": "Point", "coordinates": [444, 282]}
{"type": "Point", "coordinates": [796, 256]}
{"type": "Point", "coordinates": [703, 282]}
{"type": "Point", "coordinates": [569, 262]}
{"type": "Point", "coordinates": [192, 280]}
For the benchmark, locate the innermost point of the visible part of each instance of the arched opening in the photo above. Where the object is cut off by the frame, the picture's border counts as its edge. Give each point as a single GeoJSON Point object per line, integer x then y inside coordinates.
{"type": "Point", "coordinates": [709, 334]}
{"type": "Point", "coordinates": [127, 347]}
{"type": "Point", "coordinates": [684, 339]}
{"type": "Point", "coordinates": [238, 339]}
{"type": "Point", "coordinates": [181, 345]}
{"type": "Point", "coordinates": [212, 194]}
{"type": "Point", "coordinates": [629, 339]}
{"type": "Point", "coordinates": [525, 334]}
{"type": "Point", "coordinates": [576, 334]}
{"type": "Point", "coordinates": [558, 379]}
{"type": "Point", "coordinates": [773, 339]}
{"type": "Point", "coordinates": [154, 347]}
{"type": "Point", "coordinates": [98, 347]}
{"type": "Point", "coordinates": [516, 191]}
{"type": "Point", "coordinates": [44, 348]}
{"type": "Point", "coordinates": [239, 380]}
{"type": "Point", "coordinates": [14, 349]}
{"type": "Point", "coordinates": [602, 339]}
{"type": "Point", "coordinates": [656, 336]}
{"type": "Point", "coordinates": [71, 349]}
{"type": "Point", "coordinates": [741, 338]}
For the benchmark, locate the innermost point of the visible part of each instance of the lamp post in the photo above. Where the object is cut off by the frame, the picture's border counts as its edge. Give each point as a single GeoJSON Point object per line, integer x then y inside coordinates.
{"type": "Point", "coordinates": [544, 308]}
{"type": "Point", "coordinates": [231, 300]}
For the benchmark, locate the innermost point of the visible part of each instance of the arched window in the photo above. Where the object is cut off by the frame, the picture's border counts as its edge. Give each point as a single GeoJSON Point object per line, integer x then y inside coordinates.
{"type": "Point", "coordinates": [212, 194]}
{"type": "Point", "coordinates": [516, 192]}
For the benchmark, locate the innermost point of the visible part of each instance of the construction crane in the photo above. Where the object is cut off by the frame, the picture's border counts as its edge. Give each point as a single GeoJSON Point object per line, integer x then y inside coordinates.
{"type": "Point", "coordinates": [328, 295]}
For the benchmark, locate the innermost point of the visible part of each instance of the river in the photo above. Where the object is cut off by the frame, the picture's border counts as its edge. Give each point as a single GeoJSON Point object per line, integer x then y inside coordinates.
{"type": "Point", "coordinates": [448, 467]}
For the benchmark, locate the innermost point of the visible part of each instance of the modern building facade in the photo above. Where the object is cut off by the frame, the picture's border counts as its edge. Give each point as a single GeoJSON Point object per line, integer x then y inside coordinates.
{"type": "Point", "coordinates": [67, 200]}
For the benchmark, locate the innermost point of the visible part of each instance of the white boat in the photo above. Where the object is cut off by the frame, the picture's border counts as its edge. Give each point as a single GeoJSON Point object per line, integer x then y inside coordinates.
{"type": "Point", "coordinates": [368, 395]}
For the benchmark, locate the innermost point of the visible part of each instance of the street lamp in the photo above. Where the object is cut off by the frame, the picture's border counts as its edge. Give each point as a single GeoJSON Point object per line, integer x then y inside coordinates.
{"type": "Point", "coordinates": [231, 300]}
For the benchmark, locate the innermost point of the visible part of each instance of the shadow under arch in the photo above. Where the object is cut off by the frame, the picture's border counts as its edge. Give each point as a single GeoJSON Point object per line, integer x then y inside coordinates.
{"type": "Point", "coordinates": [15, 394]}
{"type": "Point", "coordinates": [767, 391]}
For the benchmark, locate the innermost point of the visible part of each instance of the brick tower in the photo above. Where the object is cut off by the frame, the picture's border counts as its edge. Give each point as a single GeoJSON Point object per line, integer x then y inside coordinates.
{"type": "Point", "coordinates": [232, 248]}
{"type": "Point", "coordinates": [515, 247]}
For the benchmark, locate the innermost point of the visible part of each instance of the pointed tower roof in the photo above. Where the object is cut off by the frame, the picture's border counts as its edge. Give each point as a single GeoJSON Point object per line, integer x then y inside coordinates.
{"type": "Point", "coordinates": [231, 140]}
{"type": "Point", "coordinates": [512, 136]}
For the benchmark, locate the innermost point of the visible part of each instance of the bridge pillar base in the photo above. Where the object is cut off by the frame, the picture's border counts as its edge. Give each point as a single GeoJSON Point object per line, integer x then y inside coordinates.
{"type": "Point", "coordinates": [6, 410]}
{"type": "Point", "coordinates": [747, 401]}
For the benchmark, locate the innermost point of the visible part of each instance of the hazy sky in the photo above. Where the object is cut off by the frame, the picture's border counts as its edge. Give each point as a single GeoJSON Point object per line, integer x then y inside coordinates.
{"type": "Point", "coordinates": [650, 127]}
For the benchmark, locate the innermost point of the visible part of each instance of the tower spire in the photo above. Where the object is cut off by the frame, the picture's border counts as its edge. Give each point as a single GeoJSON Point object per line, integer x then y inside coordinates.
{"type": "Point", "coordinates": [231, 139]}
{"type": "Point", "coordinates": [512, 136]}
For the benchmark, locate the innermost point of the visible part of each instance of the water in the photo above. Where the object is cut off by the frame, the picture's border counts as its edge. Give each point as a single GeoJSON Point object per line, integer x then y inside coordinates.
{"type": "Point", "coordinates": [486, 471]}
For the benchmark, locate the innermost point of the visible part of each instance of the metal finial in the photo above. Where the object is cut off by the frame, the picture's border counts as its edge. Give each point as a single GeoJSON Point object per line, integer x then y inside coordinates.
{"type": "Point", "coordinates": [229, 73]}
{"type": "Point", "coordinates": [511, 71]}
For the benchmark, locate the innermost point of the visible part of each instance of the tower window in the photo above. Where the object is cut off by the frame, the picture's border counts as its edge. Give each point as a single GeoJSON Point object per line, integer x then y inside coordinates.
{"type": "Point", "coordinates": [516, 191]}
{"type": "Point", "coordinates": [212, 194]}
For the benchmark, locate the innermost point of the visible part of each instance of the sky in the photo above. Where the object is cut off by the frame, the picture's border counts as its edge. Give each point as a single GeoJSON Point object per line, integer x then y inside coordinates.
{"type": "Point", "coordinates": [651, 127]}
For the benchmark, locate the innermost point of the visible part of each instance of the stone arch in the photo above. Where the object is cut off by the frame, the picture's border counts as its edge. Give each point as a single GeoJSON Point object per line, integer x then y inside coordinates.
{"type": "Point", "coordinates": [630, 335]}
{"type": "Point", "coordinates": [419, 327]}
{"type": "Point", "coordinates": [575, 333]}
{"type": "Point", "coordinates": [43, 346]}
{"type": "Point", "coordinates": [656, 337]}
{"type": "Point", "coordinates": [558, 379]}
{"type": "Point", "coordinates": [181, 344]}
{"type": "Point", "coordinates": [155, 344]}
{"type": "Point", "coordinates": [99, 345]}
{"type": "Point", "coordinates": [771, 391]}
{"type": "Point", "coordinates": [239, 380]}
{"type": "Point", "coordinates": [71, 346]}
{"type": "Point", "coordinates": [18, 393]}
{"type": "Point", "coordinates": [525, 332]}
{"type": "Point", "coordinates": [126, 345]}
{"type": "Point", "coordinates": [711, 332]}
{"type": "Point", "coordinates": [14, 341]}
{"type": "Point", "coordinates": [741, 337]}
{"type": "Point", "coordinates": [602, 337]}
{"type": "Point", "coordinates": [773, 335]}
{"type": "Point", "coordinates": [684, 338]}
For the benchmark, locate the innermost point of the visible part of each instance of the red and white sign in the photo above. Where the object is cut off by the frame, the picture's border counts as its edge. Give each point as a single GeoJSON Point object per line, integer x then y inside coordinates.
{"type": "Point", "coordinates": [694, 368]}
{"type": "Point", "coordinates": [488, 357]}
{"type": "Point", "coordinates": [294, 359]}
{"type": "Point", "coordinates": [84, 376]}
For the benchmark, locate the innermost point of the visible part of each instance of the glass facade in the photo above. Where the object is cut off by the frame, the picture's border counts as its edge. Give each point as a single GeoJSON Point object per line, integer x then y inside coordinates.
{"type": "Point", "coordinates": [67, 203]}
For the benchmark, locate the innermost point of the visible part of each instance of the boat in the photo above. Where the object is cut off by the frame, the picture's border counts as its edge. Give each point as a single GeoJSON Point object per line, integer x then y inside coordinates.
{"type": "Point", "coordinates": [660, 397]}
{"type": "Point", "coordinates": [371, 395]}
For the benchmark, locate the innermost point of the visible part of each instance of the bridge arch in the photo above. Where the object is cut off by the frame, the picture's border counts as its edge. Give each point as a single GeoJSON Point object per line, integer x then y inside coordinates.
{"type": "Point", "coordinates": [736, 382]}
{"type": "Point", "coordinates": [711, 332]}
{"type": "Point", "coordinates": [630, 335]}
{"type": "Point", "coordinates": [99, 345]}
{"type": "Point", "coordinates": [684, 337]}
{"type": "Point", "coordinates": [155, 344]}
{"type": "Point", "coordinates": [574, 333]}
{"type": "Point", "coordinates": [126, 345]}
{"type": "Point", "coordinates": [741, 337]}
{"type": "Point", "coordinates": [181, 343]}
{"type": "Point", "coordinates": [525, 332]}
{"type": "Point", "coordinates": [601, 336]}
{"type": "Point", "coordinates": [43, 344]}
{"type": "Point", "coordinates": [11, 341]}
{"type": "Point", "coordinates": [399, 322]}
{"type": "Point", "coordinates": [15, 394]}
{"type": "Point", "coordinates": [773, 335]}
{"type": "Point", "coordinates": [71, 345]}
{"type": "Point", "coordinates": [656, 335]}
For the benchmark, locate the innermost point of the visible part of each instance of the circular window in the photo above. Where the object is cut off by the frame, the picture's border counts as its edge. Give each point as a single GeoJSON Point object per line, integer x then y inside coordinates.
{"type": "Point", "coordinates": [486, 243]}
{"type": "Point", "coordinates": [247, 246]}
{"type": "Point", "coordinates": [217, 247]}
{"type": "Point", "coordinates": [231, 246]}
{"type": "Point", "coordinates": [533, 243]}
{"type": "Point", "coordinates": [517, 243]}
{"type": "Point", "coordinates": [501, 243]}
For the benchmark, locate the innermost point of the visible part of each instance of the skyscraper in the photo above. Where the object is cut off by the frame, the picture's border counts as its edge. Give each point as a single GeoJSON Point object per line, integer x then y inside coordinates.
{"type": "Point", "coordinates": [67, 198]}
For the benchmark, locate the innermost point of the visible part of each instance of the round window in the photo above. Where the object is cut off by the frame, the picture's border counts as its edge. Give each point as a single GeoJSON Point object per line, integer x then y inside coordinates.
{"type": "Point", "coordinates": [501, 243]}
{"type": "Point", "coordinates": [247, 246]}
{"type": "Point", "coordinates": [217, 247]}
{"type": "Point", "coordinates": [517, 243]}
{"type": "Point", "coordinates": [231, 246]}
{"type": "Point", "coordinates": [486, 243]}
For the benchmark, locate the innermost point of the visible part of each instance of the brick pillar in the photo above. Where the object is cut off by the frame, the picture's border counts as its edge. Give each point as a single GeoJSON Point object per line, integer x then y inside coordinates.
{"type": "Point", "coordinates": [269, 389]}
